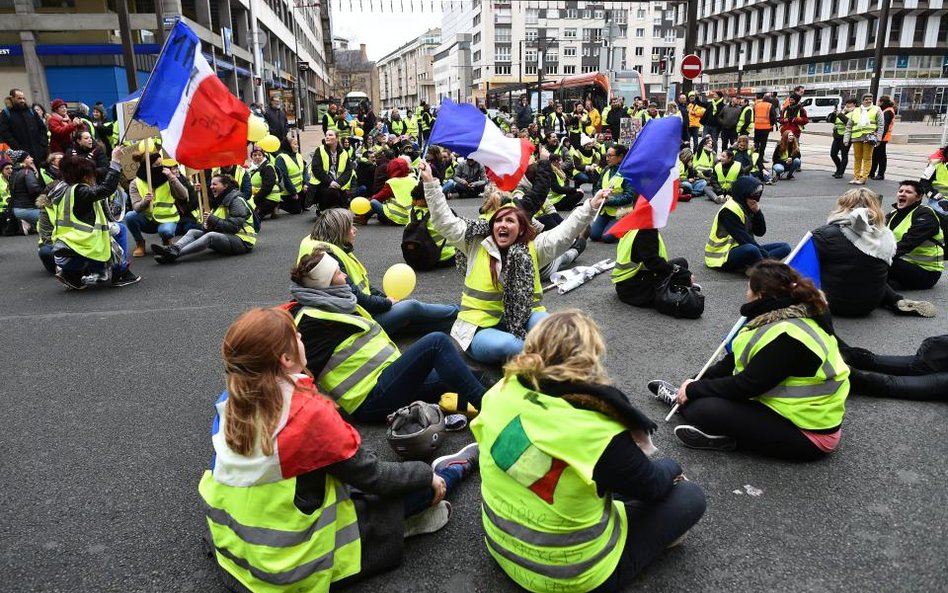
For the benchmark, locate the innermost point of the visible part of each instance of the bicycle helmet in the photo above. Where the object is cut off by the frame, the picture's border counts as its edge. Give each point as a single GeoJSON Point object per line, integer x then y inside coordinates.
{"type": "Point", "coordinates": [415, 431]}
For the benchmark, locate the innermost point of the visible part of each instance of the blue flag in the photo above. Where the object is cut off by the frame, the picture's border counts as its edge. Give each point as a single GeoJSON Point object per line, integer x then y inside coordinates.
{"type": "Point", "coordinates": [805, 260]}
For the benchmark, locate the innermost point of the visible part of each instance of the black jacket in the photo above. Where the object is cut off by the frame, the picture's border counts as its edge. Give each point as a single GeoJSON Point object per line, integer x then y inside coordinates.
{"type": "Point", "coordinates": [744, 233]}
{"type": "Point", "coordinates": [924, 226]}
{"type": "Point", "coordinates": [96, 156]}
{"type": "Point", "coordinates": [276, 120]}
{"type": "Point", "coordinates": [238, 213]}
{"type": "Point", "coordinates": [25, 187]}
{"type": "Point", "coordinates": [85, 196]}
{"type": "Point", "coordinates": [22, 129]}
{"type": "Point", "coordinates": [854, 282]}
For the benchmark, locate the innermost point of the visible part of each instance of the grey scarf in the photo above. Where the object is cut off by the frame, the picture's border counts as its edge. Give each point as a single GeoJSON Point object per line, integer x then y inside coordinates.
{"type": "Point", "coordinates": [334, 299]}
{"type": "Point", "coordinates": [516, 276]}
{"type": "Point", "coordinates": [873, 240]}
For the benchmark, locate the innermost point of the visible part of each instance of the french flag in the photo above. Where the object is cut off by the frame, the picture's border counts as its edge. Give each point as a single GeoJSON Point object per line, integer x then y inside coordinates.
{"type": "Point", "coordinates": [462, 128]}
{"type": "Point", "coordinates": [651, 167]}
{"type": "Point", "coordinates": [202, 125]}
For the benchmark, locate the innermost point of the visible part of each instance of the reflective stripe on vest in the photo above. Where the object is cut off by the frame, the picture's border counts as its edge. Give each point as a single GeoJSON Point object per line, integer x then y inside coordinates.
{"type": "Point", "coordinates": [703, 161]}
{"type": "Point", "coordinates": [324, 158]}
{"type": "Point", "coordinates": [745, 119]}
{"type": "Point", "coordinates": [447, 250]}
{"type": "Point", "coordinates": [245, 234]}
{"type": "Point", "coordinates": [811, 403]}
{"type": "Point", "coordinates": [720, 242]}
{"type": "Point", "coordinates": [351, 265]}
{"type": "Point", "coordinates": [356, 363]}
{"type": "Point", "coordinates": [545, 523]}
{"type": "Point", "coordinates": [625, 267]}
{"type": "Point", "coordinates": [256, 182]}
{"type": "Point", "coordinates": [162, 208]}
{"type": "Point", "coordinates": [267, 544]}
{"type": "Point", "coordinates": [615, 181]}
{"type": "Point", "coordinates": [930, 254]}
{"type": "Point", "coordinates": [482, 304]}
{"type": "Point", "coordinates": [4, 191]}
{"type": "Point", "coordinates": [91, 241]}
{"type": "Point", "coordinates": [888, 130]}
{"type": "Point", "coordinates": [561, 180]}
{"type": "Point", "coordinates": [726, 180]}
{"type": "Point", "coordinates": [294, 167]}
{"type": "Point", "coordinates": [396, 208]}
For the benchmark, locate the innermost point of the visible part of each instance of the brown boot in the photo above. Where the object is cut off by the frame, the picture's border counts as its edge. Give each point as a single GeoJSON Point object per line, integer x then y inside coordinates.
{"type": "Point", "coordinates": [166, 242]}
{"type": "Point", "coordinates": [139, 249]}
{"type": "Point", "coordinates": [362, 219]}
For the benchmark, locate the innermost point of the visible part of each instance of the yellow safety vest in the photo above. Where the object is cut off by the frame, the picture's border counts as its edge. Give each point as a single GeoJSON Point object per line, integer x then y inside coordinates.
{"type": "Point", "coordinates": [703, 161]}
{"type": "Point", "coordinates": [294, 166]}
{"type": "Point", "coordinates": [930, 255]}
{"type": "Point", "coordinates": [340, 166]}
{"type": "Point", "coordinates": [357, 362]}
{"type": "Point", "coordinates": [351, 265]}
{"type": "Point", "coordinates": [811, 403]}
{"type": "Point", "coordinates": [4, 191]}
{"type": "Point", "coordinates": [615, 181]}
{"type": "Point", "coordinates": [545, 522]}
{"type": "Point", "coordinates": [561, 178]}
{"type": "Point", "coordinates": [399, 127]}
{"type": "Point", "coordinates": [162, 208]}
{"type": "Point", "coordinates": [727, 179]}
{"type": "Point", "coordinates": [720, 242]}
{"type": "Point", "coordinates": [268, 545]}
{"type": "Point", "coordinates": [940, 181]}
{"type": "Point", "coordinates": [246, 234]}
{"type": "Point", "coordinates": [90, 241]}
{"type": "Point", "coordinates": [482, 303]}
{"type": "Point", "coordinates": [396, 208]}
{"type": "Point", "coordinates": [256, 182]}
{"type": "Point", "coordinates": [857, 131]}
{"type": "Point", "coordinates": [626, 268]}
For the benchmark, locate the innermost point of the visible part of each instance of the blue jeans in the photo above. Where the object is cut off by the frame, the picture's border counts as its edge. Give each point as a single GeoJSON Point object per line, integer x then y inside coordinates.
{"type": "Point", "coordinates": [30, 215]}
{"type": "Point", "coordinates": [695, 135]}
{"type": "Point", "coordinates": [697, 187]}
{"type": "Point", "coordinates": [781, 168]}
{"type": "Point", "coordinates": [76, 264]}
{"type": "Point", "coordinates": [600, 226]}
{"type": "Point", "coordinates": [428, 368]}
{"type": "Point", "coordinates": [46, 256]}
{"type": "Point", "coordinates": [138, 223]}
{"type": "Point", "coordinates": [418, 317]}
{"type": "Point", "coordinates": [494, 345]}
{"type": "Point", "coordinates": [379, 211]}
{"type": "Point", "coordinates": [418, 501]}
{"type": "Point", "coordinates": [448, 186]}
{"type": "Point", "coordinates": [744, 256]}
{"type": "Point", "coordinates": [581, 178]}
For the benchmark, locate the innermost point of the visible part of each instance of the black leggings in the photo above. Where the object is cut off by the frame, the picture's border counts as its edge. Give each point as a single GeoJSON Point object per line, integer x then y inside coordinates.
{"type": "Point", "coordinates": [903, 275]}
{"type": "Point", "coordinates": [756, 427]}
{"type": "Point", "coordinates": [923, 376]}
{"type": "Point", "coordinates": [879, 159]}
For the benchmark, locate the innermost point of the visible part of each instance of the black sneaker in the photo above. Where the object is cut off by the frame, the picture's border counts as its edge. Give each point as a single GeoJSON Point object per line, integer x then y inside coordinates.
{"type": "Point", "coordinates": [69, 281]}
{"type": "Point", "coordinates": [663, 391]}
{"type": "Point", "coordinates": [695, 439]}
{"type": "Point", "coordinates": [165, 254]}
{"type": "Point", "coordinates": [126, 278]}
{"type": "Point", "coordinates": [579, 245]}
{"type": "Point", "coordinates": [466, 458]}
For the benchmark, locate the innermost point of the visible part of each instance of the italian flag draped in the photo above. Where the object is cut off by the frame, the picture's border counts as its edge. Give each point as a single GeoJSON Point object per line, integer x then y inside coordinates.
{"type": "Point", "coordinates": [515, 453]}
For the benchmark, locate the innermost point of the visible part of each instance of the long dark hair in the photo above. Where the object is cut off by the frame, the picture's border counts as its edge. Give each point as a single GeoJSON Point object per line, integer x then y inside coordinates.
{"type": "Point", "coordinates": [774, 279]}
{"type": "Point", "coordinates": [76, 169]}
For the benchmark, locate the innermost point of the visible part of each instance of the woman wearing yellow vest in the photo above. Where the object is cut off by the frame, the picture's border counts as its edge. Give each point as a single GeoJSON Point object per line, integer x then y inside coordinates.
{"type": "Point", "coordinates": [864, 131]}
{"type": "Point", "coordinates": [502, 295]}
{"type": "Point", "coordinates": [355, 361]}
{"type": "Point", "coordinates": [621, 194]}
{"type": "Point", "coordinates": [227, 229]}
{"type": "Point", "coordinates": [392, 203]}
{"type": "Point", "coordinates": [293, 500]}
{"type": "Point", "coordinates": [642, 264]}
{"type": "Point", "coordinates": [571, 500]}
{"type": "Point", "coordinates": [155, 211]}
{"type": "Point", "coordinates": [293, 173]}
{"type": "Point", "coordinates": [266, 186]}
{"type": "Point", "coordinates": [334, 231]}
{"type": "Point", "coordinates": [723, 175]}
{"type": "Point", "coordinates": [782, 390]}
{"type": "Point", "coordinates": [920, 241]}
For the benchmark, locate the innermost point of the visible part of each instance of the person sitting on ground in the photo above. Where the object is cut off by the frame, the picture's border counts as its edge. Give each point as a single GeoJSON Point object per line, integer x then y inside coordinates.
{"type": "Point", "coordinates": [745, 154]}
{"type": "Point", "coordinates": [392, 203]}
{"type": "Point", "coordinates": [335, 232]}
{"type": "Point", "coordinates": [45, 226]}
{"type": "Point", "coordinates": [705, 159]}
{"type": "Point", "coordinates": [923, 376]}
{"type": "Point", "coordinates": [621, 195]}
{"type": "Point", "coordinates": [642, 264]}
{"type": "Point", "coordinates": [293, 173]}
{"type": "Point", "coordinates": [855, 250]}
{"type": "Point", "coordinates": [227, 229]}
{"type": "Point", "coordinates": [556, 411]}
{"type": "Point", "coordinates": [585, 158]}
{"type": "Point", "coordinates": [263, 180]}
{"type": "Point", "coordinates": [470, 179]}
{"type": "Point", "coordinates": [782, 390]}
{"type": "Point", "coordinates": [85, 146]}
{"type": "Point", "coordinates": [920, 242]}
{"type": "Point", "coordinates": [25, 187]}
{"type": "Point", "coordinates": [287, 464]}
{"type": "Point", "coordinates": [786, 157]}
{"type": "Point", "coordinates": [937, 173]}
{"type": "Point", "coordinates": [154, 211]}
{"type": "Point", "coordinates": [49, 171]}
{"type": "Point", "coordinates": [502, 296]}
{"type": "Point", "coordinates": [690, 183]}
{"type": "Point", "coordinates": [82, 234]}
{"type": "Point", "coordinates": [731, 244]}
{"type": "Point", "coordinates": [562, 196]}
{"type": "Point", "coordinates": [723, 176]}
{"type": "Point", "coordinates": [355, 361]}
{"type": "Point", "coordinates": [419, 211]}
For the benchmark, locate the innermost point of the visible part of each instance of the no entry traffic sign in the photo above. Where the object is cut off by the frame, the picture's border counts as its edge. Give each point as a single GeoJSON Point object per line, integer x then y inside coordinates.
{"type": "Point", "coordinates": [691, 66]}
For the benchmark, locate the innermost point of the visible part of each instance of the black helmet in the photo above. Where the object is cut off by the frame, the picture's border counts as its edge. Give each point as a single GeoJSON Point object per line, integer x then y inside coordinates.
{"type": "Point", "coordinates": [416, 430]}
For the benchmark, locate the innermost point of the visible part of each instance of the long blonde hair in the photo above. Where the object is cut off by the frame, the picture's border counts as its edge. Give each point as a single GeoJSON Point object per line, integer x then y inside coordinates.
{"type": "Point", "coordinates": [860, 198]}
{"type": "Point", "coordinates": [251, 351]}
{"type": "Point", "coordinates": [566, 346]}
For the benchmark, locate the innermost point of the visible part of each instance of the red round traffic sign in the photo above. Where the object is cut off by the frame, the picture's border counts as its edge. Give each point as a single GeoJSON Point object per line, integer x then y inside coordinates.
{"type": "Point", "coordinates": [691, 67]}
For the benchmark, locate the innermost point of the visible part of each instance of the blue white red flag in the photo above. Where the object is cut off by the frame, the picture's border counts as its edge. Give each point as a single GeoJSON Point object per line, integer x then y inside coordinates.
{"type": "Point", "coordinates": [462, 127]}
{"type": "Point", "coordinates": [651, 167]}
{"type": "Point", "coordinates": [805, 260]}
{"type": "Point", "coordinates": [202, 125]}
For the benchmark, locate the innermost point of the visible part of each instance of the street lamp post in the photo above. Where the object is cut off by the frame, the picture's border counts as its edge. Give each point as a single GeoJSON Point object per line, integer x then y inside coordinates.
{"type": "Point", "coordinates": [881, 37]}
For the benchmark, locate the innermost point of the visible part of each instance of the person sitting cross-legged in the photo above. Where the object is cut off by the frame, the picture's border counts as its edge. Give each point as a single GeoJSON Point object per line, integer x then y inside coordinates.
{"type": "Point", "coordinates": [154, 211]}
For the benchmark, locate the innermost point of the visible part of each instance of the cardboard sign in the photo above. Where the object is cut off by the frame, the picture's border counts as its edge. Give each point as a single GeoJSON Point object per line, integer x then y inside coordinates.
{"type": "Point", "coordinates": [136, 130]}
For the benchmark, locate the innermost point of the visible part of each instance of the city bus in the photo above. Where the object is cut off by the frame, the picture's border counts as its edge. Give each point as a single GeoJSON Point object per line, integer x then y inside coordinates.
{"type": "Point", "coordinates": [352, 100]}
{"type": "Point", "coordinates": [598, 86]}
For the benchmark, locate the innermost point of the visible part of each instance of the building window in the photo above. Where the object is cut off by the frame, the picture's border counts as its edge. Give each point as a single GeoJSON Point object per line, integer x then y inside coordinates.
{"type": "Point", "coordinates": [530, 34]}
{"type": "Point", "coordinates": [569, 69]}
{"type": "Point", "coordinates": [592, 35]}
{"type": "Point", "coordinates": [477, 19]}
{"type": "Point", "coordinates": [637, 68]}
{"type": "Point", "coordinates": [586, 52]}
{"type": "Point", "coordinates": [551, 69]}
{"type": "Point", "coordinates": [587, 14]}
{"type": "Point", "coordinates": [552, 13]}
{"type": "Point", "coordinates": [501, 35]}
{"type": "Point", "coordinates": [640, 32]}
{"type": "Point", "coordinates": [599, 14]}
{"type": "Point", "coordinates": [530, 69]}
{"type": "Point", "coordinates": [501, 54]}
{"type": "Point", "coordinates": [640, 13]}
{"type": "Point", "coordinates": [572, 13]}
{"type": "Point", "coordinates": [476, 73]}
{"type": "Point", "coordinates": [502, 70]}
{"type": "Point", "coordinates": [656, 32]}
{"type": "Point", "coordinates": [895, 29]}
{"type": "Point", "coordinates": [477, 38]}
{"type": "Point", "coordinates": [477, 56]}
{"type": "Point", "coordinates": [871, 25]}
{"type": "Point", "coordinates": [532, 16]}
{"type": "Point", "coordinates": [530, 56]}
{"type": "Point", "coordinates": [569, 33]}
{"type": "Point", "coordinates": [569, 52]}
{"type": "Point", "coordinates": [619, 16]}
{"type": "Point", "coordinates": [920, 22]}
{"type": "Point", "coordinates": [588, 69]}
{"type": "Point", "coordinates": [640, 51]}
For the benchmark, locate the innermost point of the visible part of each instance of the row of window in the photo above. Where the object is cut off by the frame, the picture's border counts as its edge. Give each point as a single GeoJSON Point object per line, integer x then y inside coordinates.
{"type": "Point", "coordinates": [590, 35]}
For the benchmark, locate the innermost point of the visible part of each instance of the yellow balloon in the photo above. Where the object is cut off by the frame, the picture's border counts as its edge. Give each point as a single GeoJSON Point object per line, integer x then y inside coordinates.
{"type": "Point", "coordinates": [360, 205]}
{"type": "Point", "coordinates": [256, 128]}
{"type": "Point", "coordinates": [359, 132]}
{"type": "Point", "coordinates": [269, 143]}
{"type": "Point", "coordinates": [399, 281]}
{"type": "Point", "coordinates": [590, 130]}
{"type": "Point", "coordinates": [146, 145]}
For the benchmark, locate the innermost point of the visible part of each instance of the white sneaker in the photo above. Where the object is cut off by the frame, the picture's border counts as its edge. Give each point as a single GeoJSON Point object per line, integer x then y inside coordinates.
{"type": "Point", "coordinates": [428, 521]}
{"type": "Point", "coordinates": [97, 277]}
{"type": "Point", "coordinates": [920, 308]}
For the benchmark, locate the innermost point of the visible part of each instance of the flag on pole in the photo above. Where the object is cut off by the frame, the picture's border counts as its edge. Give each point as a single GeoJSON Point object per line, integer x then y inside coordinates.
{"type": "Point", "coordinates": [804, 259]}
{"type": "Point", "coordinates": [651, 167]}
{"type": "Point", "coordinates": [468, 132]}
{"type": "Point", "coordinates": [202, 125]}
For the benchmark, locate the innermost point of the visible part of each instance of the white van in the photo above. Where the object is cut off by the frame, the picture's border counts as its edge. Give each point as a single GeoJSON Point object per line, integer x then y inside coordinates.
{"type": "Point", "coordinates": [819, 108]}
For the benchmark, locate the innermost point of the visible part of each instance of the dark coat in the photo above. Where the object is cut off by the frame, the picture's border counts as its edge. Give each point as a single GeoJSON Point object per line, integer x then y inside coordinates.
{"type": "Point", "coordinates": [25, 187]}
{"type": "Point", "coordinates": [276, 120]}
{"type": "Point", "coordinates": [854, 282]}
{"type": "Point", "coordinates": [22, 129]}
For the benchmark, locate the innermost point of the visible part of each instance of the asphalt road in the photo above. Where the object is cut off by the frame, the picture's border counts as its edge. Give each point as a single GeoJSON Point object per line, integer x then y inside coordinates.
{"type": "Point", "coordinates": [107, 401]}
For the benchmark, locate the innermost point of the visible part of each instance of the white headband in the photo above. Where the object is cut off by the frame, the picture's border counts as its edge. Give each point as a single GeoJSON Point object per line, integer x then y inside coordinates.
{"type": "Point", "coordinates": [321, 274]}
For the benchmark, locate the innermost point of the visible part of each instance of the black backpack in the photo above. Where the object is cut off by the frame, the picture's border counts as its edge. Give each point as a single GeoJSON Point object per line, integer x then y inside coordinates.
{"type": "Point", "coordinates": [418, 247]}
